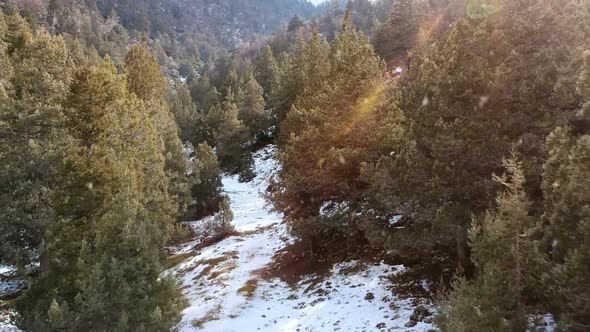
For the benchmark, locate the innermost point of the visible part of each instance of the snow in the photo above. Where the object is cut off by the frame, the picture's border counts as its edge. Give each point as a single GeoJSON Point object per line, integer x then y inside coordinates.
{"type": "Point", "coordinates": [6, 269]}
{"type": "Point", "coordinates": [331, 209]}
{"type": "Point", "coordinates": [6, 321]}
{"type": "Point", "coordinates": [226, 292]}
{"type": "Point", "coordinates": [7, 288]}
{"type": "Point", "coordinates": [395, 219]}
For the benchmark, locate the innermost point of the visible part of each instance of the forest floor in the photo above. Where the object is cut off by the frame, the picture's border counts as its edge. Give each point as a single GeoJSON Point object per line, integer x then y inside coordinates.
{"type": "Point", "coordinates": [229, 288]}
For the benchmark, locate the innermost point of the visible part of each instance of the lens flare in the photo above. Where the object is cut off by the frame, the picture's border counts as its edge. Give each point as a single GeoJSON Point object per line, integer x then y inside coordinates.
{"type": "Point", "coordinates": [365, 105]}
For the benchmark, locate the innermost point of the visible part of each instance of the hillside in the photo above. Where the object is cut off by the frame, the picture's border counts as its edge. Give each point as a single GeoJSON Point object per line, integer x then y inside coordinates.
{"type": "Point", "coordinates": [219, 21]}
{"type": "Point", "coordinates": [248, 165]}
{"type": "Point", "coordinates": [228, 290]}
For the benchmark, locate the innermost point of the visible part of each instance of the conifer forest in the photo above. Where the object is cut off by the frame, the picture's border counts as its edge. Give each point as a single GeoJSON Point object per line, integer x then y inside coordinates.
{"type": "Point", "coordinates": [295, 165]}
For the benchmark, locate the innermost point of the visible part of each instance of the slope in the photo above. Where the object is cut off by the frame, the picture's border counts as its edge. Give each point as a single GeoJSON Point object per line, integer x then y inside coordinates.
{"type": "Point", "coordinates": [227, 293]}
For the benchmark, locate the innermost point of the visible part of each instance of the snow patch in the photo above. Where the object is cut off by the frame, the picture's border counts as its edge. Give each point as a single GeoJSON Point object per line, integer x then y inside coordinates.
{"type": "Point", "coordinates": [226, 293]}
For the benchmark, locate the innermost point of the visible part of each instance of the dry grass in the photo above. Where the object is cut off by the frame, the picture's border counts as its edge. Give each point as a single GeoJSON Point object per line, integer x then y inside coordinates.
{"type": "Point", "coordinates": [249, 288]}
{"type": "Point", "coordinates": [225, 270]}
{"type": "Point", "coordinates": [215, 262]}
{"type": "Point", "coordinates": [211, 264]}
{"type": "Point", "coordinates": [177, 259]}
{"type": "Point", "coordinates": [212, 315]}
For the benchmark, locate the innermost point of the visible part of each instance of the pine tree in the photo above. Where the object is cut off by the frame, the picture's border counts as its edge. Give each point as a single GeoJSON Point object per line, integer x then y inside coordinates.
{"type": "Point", "coordinates": [266, 71]}
{"type": "Point", "coordinates": [398, 35]}
{"type": "Point", "coordinates": [569, 284]}
{"type": "Point", "coordinates": [327, 135]}
{"type": "Point", "coordinates": [294, 24]}
{"type": "Point", "coordinates": [231, 136]}
{"type": "Point", "coordinates": [188, 118]}
{"type": "Point", "coordinates": [508, 265]}
{"type": "Point", "coordinates": [252, 107]}
{"type": "Point", "coordinates": [206, 191]}
{"type": "Point", "coordinates": [453, 94]}
{"type": "Point", "coordinates": [291, 80]}
{"type": "Point", "coordinates": [145, 79]}
{"type": "Point", "coordinates": [37, 68]}
{"type": "Point", "coordinates": [112, 216]}
{"type": "Point", "coordinates": [204, 93]}
{"type": "Point", "coordinates": [304, 83]}
{"type": "Point", "coordinates": [565, 187]}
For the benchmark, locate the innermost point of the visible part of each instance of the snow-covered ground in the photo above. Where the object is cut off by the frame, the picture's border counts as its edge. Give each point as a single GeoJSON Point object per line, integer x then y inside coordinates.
{"type": "Point", "coordinates": [227, 294]}
{"type": "Point", "coordinates": [7, 287]}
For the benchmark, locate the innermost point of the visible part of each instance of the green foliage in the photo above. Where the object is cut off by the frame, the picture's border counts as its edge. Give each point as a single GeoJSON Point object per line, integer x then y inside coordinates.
{"type": "Point", "coordinates": [326, 133]}
{"type": "Point", "coordinates": [146, 81]}
{"type": "Point", "coordinates": [294, 24]}
{"type": "Point", "coordinates": [221, 223]}
{"type": "Point", "coordinates": [230, 135]}
{"type": "Point", "coordinates": [252, 107]}
{"type": "Point", "coordinates": [565, 186]}
{"type": "Point", "coordinates": [461, 120]}
{"type": "Point", "coordinates": [35, 76]}
{"type": "Point", "coordinates": [303, 79]}
{"type": "Point", "coordinates": [204, 94]}
{"type": "Point", "coordinates": [206, 190]}
{"type": "Point", "coordinates": [113, 215]}
{"type": "Point", "coordinates": [508, 265]}
{"type": "Point", "coordinates": [266, 71]}
{"type": "Point", "coordinates": [569, 284]}
{"type": "Point", "coordinates": [188, 118]}
{"type": "Point", "coordinates": [398, 34]}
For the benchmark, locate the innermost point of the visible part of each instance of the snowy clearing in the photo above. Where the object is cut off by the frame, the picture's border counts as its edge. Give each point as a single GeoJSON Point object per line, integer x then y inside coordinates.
{"type": "Point", "coordinates": [227, 294]}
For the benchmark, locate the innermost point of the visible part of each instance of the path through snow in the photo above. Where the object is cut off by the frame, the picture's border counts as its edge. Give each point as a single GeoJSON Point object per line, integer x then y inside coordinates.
{"type": "Point", "coordinates": [226, 295]}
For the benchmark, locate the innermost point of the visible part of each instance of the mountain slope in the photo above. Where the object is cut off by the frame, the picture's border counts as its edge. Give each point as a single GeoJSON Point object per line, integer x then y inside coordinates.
{"type": "Point", "coordinates": [227, 293]}
{"type": "Point", "coordinates": [224, 21]}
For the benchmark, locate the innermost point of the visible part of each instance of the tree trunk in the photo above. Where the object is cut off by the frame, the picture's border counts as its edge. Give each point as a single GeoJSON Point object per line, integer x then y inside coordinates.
{"type": "Point", "coordinates": [462, 248]}
{"type": "Point", "coordinates": [43, 260]}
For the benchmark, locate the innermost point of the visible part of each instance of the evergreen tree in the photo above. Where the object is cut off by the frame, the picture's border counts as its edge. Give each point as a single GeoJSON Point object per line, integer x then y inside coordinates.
{"type": "Point", "coordinates": [326, 135]}
{"type": "Point", "coordinates": [398, 35]}
{"type": "Point", "coordinates": [453, 95]}
{"type": "Point", "coordinates": [266, 71]}
{"type": "Point", "coordinates": [204, 94]}
{"type": "Point", "coordinates": [290, 82]}
{"type": "Point", "coordinates": [207, 189]}
{"type": "Point", "coordinates": [251, 104]}
{"type": "Point", "coordinates": [189, 119]}
{"type": "Point", "coordinates": [507, 262]}
{"type": "Point", "coordinates": [112, 218]}
{"type": "Point", "coordinates": [565, 187]}
{"type": "Point", "coordinates": [304, 83]}
{"type": "Point", "coordinates": [145, 79]}
{"type": "Point", "coordinates": [231, 136]}
{"type": "Point", "coordinates": [37, 73]}
{"type": "Point", "coordinates": [294, 24]}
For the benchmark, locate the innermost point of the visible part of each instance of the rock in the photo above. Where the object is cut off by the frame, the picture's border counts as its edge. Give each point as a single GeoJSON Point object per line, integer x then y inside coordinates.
{"type": "Point", "coordinates": [423, 311]}
{"type": "Point", "coordinates": [411, 323]}
{"type": "Point", "coordinates": [369, 296]}
{"type": "Point", "coordinates": [420, 313]}
{"type": "Point", "coordinates": [381, 325]}
{"type": "Point", "coordinates": [10, 289]}
{"type": "Point", "coordinates": [393, 306]}
{"type": "Point", "coordinates": [427, 320]}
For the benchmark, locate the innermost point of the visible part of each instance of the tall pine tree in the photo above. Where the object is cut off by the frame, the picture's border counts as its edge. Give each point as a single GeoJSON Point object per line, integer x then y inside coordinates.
{"type": "Point", "coordinates": [112, 218]}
